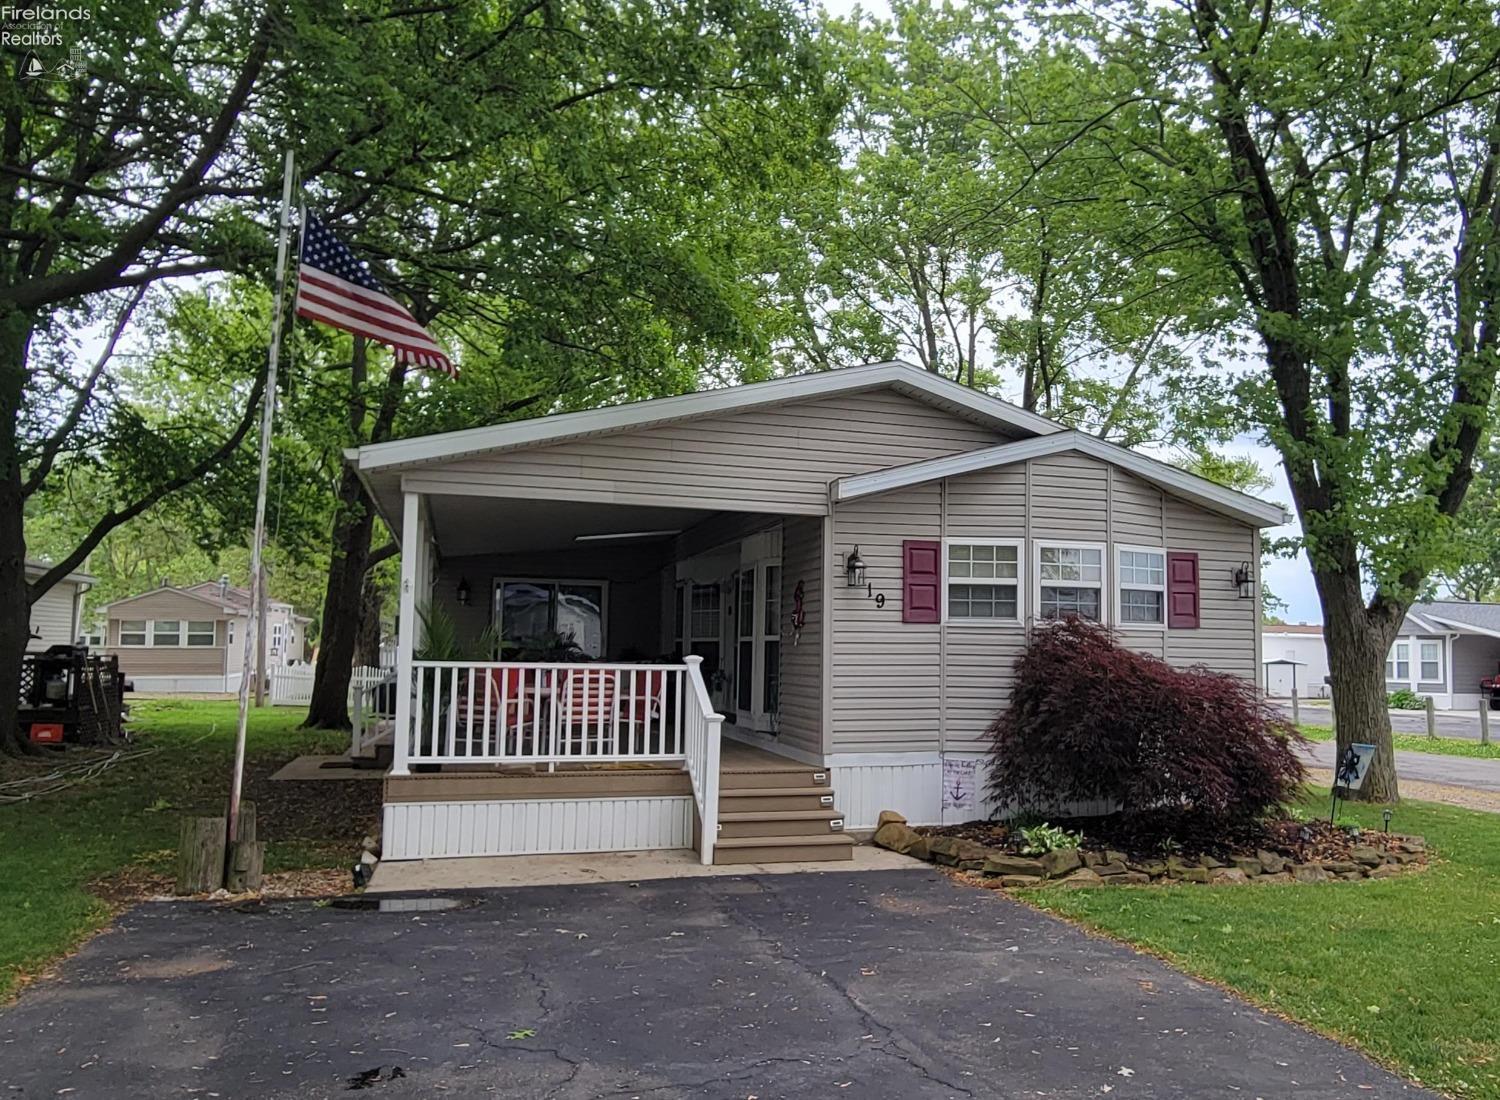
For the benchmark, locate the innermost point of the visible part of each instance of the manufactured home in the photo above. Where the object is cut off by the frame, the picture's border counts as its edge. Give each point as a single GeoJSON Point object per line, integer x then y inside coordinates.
{"type": "Point", "coordinates": [57, 615]}
{"type": "Point", "coordinates": [747, 620]}
{"type": "Point", "coordinates": [192, 639]}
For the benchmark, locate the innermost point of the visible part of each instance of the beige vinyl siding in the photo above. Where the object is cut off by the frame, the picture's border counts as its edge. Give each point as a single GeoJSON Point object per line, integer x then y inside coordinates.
{"type": "Point", "coordinates": [885, 697]}
{"type": "Point", "coordinates": [886, 673]}
{"type": "Point", "coordinates": [778, 459]}
{"type": "Point", "coordinates": [169, 660]}
{"type": "Point", "coordinates": [164, 603]}
{"type": "Point", "coordinates": [801, 718]}
{"type": "Point", "coordinates": [633, 603]}
{"type": "Point", "coordinates": [1226, 638]}
{"type": "Point", "coordinates": [52, 617]}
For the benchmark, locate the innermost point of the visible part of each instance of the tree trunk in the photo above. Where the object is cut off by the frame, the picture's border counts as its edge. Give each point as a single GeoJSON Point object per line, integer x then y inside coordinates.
{"type": "Point", "coordinates": [329, 708]}
{"type": "Point", "coordinates": [353, 525]}
{"type": "Point", "coordinates": [15, 602]}
{"type": "Point", "coordinates": [1357, 648]}
{"type": "Point", "coordinates": [367, 641]}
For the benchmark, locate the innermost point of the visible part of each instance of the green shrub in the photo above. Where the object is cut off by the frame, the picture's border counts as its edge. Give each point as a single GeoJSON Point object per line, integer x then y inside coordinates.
{"type": "Point", "coordinates": [1406, 699]}
{"type": "Point", "coordinates": [1044, 838]}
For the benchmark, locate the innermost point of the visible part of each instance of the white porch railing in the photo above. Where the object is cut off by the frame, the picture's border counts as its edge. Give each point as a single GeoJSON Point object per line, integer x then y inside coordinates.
{"type": "Point", "coordinates": [498, 712]}
{"type": "Point", "coordinates": [292, 685]}
{"type": "Point", "coordinates": [701, 727]}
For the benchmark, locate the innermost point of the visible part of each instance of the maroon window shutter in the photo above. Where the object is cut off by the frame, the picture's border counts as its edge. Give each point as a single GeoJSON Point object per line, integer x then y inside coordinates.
{"type": "Point", "coordinates": [1182, 589]}
{"type": "Point", "coordinates": [921, 581]}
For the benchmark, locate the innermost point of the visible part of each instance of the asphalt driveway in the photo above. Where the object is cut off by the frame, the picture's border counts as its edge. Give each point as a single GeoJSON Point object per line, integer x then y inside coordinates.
{"type": "Point", "coordinates": [884, 984]}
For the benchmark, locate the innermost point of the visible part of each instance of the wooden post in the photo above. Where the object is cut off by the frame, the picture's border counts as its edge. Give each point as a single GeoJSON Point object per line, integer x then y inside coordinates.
{"type": "Point", "coordinates": [1296, 714]}
{"type": "Point", "coordinates": [1484, 720]}
{"type": "Point", "coordinates": [1333, 718]}
{"type": "Point", "coordinates": [246, 855]}
{"type": "Point", "coordinates": [1431, 718]}
{"type": "Point", "coordinates": [200, 855]}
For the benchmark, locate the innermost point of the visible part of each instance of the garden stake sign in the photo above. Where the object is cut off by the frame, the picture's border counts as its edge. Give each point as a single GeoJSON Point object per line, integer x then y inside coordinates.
{"type": "Point", "coordinates": [1350, 775]}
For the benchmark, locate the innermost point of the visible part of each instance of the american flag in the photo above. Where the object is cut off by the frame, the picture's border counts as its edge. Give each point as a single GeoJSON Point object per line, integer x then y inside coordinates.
{"type": "Point", "coordinates": [334, 287]}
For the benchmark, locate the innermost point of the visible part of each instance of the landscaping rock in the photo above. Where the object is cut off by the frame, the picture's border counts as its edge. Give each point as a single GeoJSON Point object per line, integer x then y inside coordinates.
{"type": "Point", "coordinates": [896, 836]}
{"type": "Point", "coordinates": [1113, 856]}
{"type": "Point", "coordinates": [1250, 865]}
{"type": "Point", "coordinates": [1113, 867]}
{"type": "Point", "coordinates": [1152, 867]}
{"type": "Point", "coordinates": [1274, 877]}
{"type": "Point", "coordinates": [1059, 862]}
{"type": "Point", "coordinates": [1188, 874]}
{"type": "Point", "coordinates": [1387, 870]}
{"type": "Point", "coordinates": [1340, 866]}
{"type": "Point", "coordinates": [1411, 844]}
{"type": "Point", "coordinates": [1228, 876]}
{"type": "Point", "coordinates": [944, 849]}
{"type": "Point", "coordinates": [1021, 880]}
{"type": "Point", "coordinates": [889, 817]}
{"type": "Point", "coordinates": [1129, 878]}
{"type": "Point", "coordinates": [1309, 872]}
{"type": "Point", "coordinates": [1352, 876]}
{"type": "Point", "coordinates": [1081, 877]}
{"type": "Point", "coordinates": [1367, 856]}
{"type": "Point", "coordinates": [1093, 859]}
{"type": "Point", "coordinates": [1271, 862]}
{"type": "Point", "coordinates": [1003, 864]}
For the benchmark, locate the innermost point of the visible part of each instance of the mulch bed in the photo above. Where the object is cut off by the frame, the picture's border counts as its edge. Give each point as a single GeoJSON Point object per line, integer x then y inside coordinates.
{"type": "Point", "coordinates": [1299, 841]}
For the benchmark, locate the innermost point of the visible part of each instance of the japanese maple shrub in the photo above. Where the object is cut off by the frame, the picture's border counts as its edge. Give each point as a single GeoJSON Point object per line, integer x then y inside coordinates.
{"type": "Point", "coordinates": [1188, 754]}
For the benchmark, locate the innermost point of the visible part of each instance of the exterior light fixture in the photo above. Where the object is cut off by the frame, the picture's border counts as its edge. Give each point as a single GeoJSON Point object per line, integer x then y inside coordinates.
{"type": "Point", "coordinates": [1385, 815]}
{"type": "Point", "coordinates": [854, 569]}
{"type": "Point", "coordinates": [1245, 580]}
{"type": "Point", "coordinates": [464, 592]}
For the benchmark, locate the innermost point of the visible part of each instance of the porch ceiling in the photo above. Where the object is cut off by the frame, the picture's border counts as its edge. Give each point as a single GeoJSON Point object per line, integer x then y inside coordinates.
{"type": "Point", "coordinates": [493, 525]}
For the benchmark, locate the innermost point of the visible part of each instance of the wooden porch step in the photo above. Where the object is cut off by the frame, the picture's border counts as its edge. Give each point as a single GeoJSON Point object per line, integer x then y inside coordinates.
{"type": "Point", "coordinates": [784, 849]}
{"type": "Point", "coordinates": [745, 777]}
{"type": "Point", "coordinates": [788, 823]}
{"type": "Point", "coordinates": [761, 799]}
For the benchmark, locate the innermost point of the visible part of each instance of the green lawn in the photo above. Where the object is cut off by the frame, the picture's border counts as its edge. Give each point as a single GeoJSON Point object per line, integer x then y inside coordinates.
{"type": "Point", "coordinates": [128, 817]}
{"type": "Point", "coordinates": [1420, 742]}
{"type": "Point", "coordinates": [1405, 968]}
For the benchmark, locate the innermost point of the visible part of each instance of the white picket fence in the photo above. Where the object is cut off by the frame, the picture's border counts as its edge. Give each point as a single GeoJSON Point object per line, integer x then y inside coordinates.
{"type": "Point", "coordinates": [291, 685]}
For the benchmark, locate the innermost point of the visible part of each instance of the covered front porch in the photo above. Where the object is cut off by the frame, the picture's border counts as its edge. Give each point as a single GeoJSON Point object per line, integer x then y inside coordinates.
{"type": "Point", "coordinates": [578, 676]}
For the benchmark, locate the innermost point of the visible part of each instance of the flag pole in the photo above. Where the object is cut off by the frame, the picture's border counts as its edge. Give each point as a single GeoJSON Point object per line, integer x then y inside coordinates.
{"type": "Point", "coordinates": [255, 620]}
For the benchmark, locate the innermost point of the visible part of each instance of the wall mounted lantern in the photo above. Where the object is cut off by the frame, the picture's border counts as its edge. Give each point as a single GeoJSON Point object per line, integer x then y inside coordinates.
{"type": "Point", "coordinates": [465, 594]}
{"type": "Point", "coordinates": [854, 569]}
{"type": "Point", "coordinates": [1245, 580]}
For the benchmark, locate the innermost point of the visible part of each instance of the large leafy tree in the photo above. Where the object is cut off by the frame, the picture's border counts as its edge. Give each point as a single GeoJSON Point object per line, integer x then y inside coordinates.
{"type": "Point", "coordinates": [1332, 164]}
{"type": "Point", "coordinates": [449, 136]}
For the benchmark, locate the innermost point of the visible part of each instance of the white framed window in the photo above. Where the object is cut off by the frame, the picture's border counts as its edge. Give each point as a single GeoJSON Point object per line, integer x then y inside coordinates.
{"type": "Point", "coordinates": [1070, 580]}
{"type": "Point", "coordinates": [1430, 657]}
{"type": "Point", "coordinates": [1398, 662]}
{"type": "Point", "coordinates": [132, 632]}
{"type": "Point", "coordinates": [982, 580]}
{"type": "Point", "coordinates": [200, 633]}
{"type": "Point", "coordinates": [166, 632]}
{"type": "Point", "coordinates": [1140, 586]}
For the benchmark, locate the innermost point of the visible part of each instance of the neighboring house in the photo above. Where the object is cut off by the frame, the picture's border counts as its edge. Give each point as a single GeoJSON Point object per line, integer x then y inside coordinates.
{"type": "Point", "coordinates": [192, 639]}
{"type": "Point", "coordinates": [856, 556]}
{"type": "Point", "coordinates": [1294, 648]}
{"type": "Point", "coordinates": [1445, 648]}
{"type": "Point", "coordinates": [57, 617]}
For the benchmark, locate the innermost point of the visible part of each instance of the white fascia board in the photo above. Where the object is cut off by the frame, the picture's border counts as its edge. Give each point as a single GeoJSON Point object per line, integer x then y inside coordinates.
{"type": "Point", "coordinates": [639, 414]}
{"type": "Point", "coordinates": [1259, 513]}
{"type": "Point", "coordinates": [1424, 623]}
{"type": "Point", "coordinates": [1461, 627]}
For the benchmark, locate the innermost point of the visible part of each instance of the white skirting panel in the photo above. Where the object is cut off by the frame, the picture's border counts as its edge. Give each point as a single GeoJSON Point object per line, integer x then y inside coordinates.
{"type": "Point", "coordinates": [919, 787]}
{"type": "Point", "coordinates": [533, 826]}
{"type": "Point", "coordinates": [183, 685]}
{"type": "Point", "coordinates": [911, 787]}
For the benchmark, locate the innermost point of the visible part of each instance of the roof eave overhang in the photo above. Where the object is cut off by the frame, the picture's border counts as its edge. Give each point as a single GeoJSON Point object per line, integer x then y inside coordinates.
{"type": "Point", "coordinates": [1215, 497]}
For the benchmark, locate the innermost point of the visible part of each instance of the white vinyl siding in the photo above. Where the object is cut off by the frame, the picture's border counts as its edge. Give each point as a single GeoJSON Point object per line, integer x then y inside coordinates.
{"type": "Point", "coordinates": [1227, 636]}
{"type": "Point", "coordinates": [801, 722]}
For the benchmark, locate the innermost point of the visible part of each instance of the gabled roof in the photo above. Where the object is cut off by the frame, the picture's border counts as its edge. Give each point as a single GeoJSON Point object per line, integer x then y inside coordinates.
{"type": "Point", "coordinates": [1180, 483]}
{"type": "Point", "coordinates": [1453, 616]}
{"type": "Point", "coordinates": [216, 604]}
{"type": "Point", "coordinates": [905, 378]}
{"type": "Point", "coordinates": [36, 567]}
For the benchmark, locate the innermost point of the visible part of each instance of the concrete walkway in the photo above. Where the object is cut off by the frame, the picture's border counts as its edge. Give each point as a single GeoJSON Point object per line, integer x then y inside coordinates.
{"type": "Point", "coordinates": [502, 872]}
{"type": "Point", "coordinates": [878, 986]}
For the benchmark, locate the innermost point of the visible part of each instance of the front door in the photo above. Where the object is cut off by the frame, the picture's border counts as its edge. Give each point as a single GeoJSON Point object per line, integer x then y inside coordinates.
{"type": "Point", "coordinates": [757, 648]}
